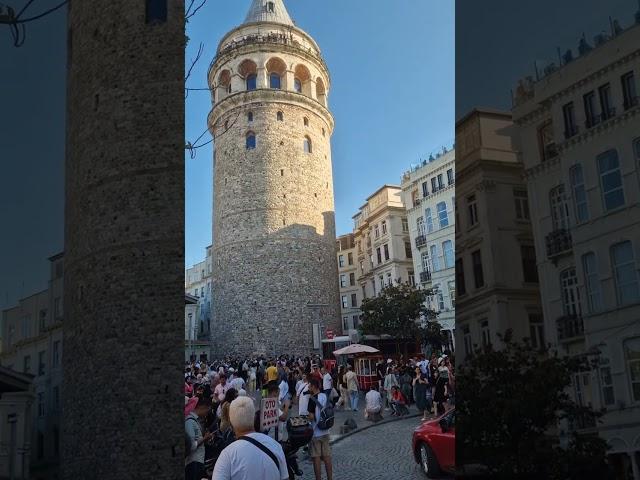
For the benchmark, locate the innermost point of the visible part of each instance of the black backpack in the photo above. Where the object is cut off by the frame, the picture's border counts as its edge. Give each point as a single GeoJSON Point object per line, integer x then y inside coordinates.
{"type": "Point", "coordinates": [326, 419]}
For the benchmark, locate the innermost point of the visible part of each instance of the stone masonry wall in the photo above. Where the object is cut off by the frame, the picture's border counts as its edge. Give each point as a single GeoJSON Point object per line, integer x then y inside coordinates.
{"type": "Point", "coordinates": [124, 244]}
{"type": "Point", "coordinates": [274, 247]}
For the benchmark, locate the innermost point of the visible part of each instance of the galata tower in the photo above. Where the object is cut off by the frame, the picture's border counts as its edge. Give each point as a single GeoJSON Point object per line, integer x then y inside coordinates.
{"type": "Point", "coordinates": [274, 257]}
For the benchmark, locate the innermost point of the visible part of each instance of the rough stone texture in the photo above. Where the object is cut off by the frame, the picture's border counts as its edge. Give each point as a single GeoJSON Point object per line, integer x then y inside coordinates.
{"type": "Point", "coordinates": [124, 252]}
{"type": "Point", "coordinates": [274, 253]}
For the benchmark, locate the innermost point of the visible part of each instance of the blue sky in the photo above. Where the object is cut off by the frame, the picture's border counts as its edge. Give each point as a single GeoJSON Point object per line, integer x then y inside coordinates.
{"type": "Point", "coordinates": [392, 70]}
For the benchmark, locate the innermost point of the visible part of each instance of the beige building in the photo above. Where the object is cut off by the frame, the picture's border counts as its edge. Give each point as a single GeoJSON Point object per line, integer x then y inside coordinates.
{"type": "Point", "coordinates": [350, 290]}
{"type": "Point", "coordinates": [274, 225]}
{"type": "Point", "coordinates": [428, 192]}
{"type": "Point", "coordinates": [497, 289]}
{"type": "Point", "coordinates": [198, 284]}
{"type": "Point", "coordinates": [383, 247]}
{"type": "Point", "coordinates": [32, 345]}
{"type": "Point", "coordinates": [579, 137]}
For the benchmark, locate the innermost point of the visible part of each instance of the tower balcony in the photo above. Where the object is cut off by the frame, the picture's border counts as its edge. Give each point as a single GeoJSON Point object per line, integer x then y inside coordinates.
{"type": "Point", "coordinates": [558, 243]}
{"type": "Point", "coordinates": [570, 328]}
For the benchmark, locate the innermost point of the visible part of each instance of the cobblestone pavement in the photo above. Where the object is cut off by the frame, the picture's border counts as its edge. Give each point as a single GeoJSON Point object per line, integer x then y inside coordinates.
{"type": "Point", "coordinates": [379, 453]}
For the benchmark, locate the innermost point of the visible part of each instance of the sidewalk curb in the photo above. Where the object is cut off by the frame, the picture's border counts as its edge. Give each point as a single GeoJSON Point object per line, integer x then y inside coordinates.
{"type": "Point", "coordinates": [367, 427]}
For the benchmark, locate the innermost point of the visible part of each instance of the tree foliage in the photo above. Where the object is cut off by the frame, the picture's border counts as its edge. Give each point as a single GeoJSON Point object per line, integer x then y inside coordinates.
{"type": "Point", "coordinates": [513, 406]}
{"type": "Point", "coordinates": [399, 311]}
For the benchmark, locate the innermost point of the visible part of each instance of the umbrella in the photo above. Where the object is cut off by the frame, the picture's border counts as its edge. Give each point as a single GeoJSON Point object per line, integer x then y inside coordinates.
{"type": "Point", "coordinates": [355, 348]}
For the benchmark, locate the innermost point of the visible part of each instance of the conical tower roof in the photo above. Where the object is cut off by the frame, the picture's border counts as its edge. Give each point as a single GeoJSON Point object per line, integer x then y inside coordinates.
{"type": "Point", "coordinates": [268, 11]}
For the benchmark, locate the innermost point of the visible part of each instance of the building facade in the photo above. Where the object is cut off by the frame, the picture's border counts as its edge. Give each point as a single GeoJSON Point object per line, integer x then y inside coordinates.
{"type": "Point", "coordinates": [497, 290]}
{"type": "Point", "coordinates": [198, 284]}
{"type": "Point", "coordinates": [32, 345]}
{"type": "Point", "coordinates": [350, 290]}
{"type": "Point", "coordinates": [274, 256]}
{"type": "Point", "coordinates": [428, 192]}
{"type": "Point", "coordinates": [383, 248]}
{"type": "Point", "coordinates": [578, 131]}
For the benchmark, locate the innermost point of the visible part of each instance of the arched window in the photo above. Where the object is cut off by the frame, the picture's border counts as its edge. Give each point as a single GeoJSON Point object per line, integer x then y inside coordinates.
{"type": "Point", "coordinates": [321, 93]}
{"type": "Point", "coordinates": [271, 8]}
{"type": "Point", "coordinates": [275, 81]}
{"type": "Point", "coordinates": [251, 141]}
{"type": "Point", "coordinates": [250, 117]}
{"type": "Point", "coordinates": [306, 122]}
{"type": "Point", "coordinates": [280, 116]}
{"type": "Point", "coordinates": [308, 148]}
{"type": "Point", "coordinates": [252, 81]}
{"type": "Point", "coordinates": [297, 85]}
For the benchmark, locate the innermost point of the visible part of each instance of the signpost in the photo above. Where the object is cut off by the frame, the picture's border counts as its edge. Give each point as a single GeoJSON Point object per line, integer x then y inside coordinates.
{"type": "Point", "coordinates": [268, 414]}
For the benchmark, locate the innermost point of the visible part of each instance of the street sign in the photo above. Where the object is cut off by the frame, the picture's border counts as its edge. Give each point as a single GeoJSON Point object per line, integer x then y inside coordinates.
{"type": "Point", "coordinates": [330, 334]}
{"type": "Point", "coordinates": [268, 413]}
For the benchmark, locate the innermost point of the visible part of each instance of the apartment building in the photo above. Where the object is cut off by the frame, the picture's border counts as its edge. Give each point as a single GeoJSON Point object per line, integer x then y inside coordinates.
{"type": "Point", "coordinates": [497, 289]}
{"type": "Point", "coordinates": [383, 247]}
{"type": "Point", "coordinates": [578, 131]}
{"type": "Point", "coordinates": [198, 284]}
{"type": "Point", "coordinates": [350, 291]}
{"type": "Point", "coordinates": [32, 345]}
{"type": "Point", "coordinates": [428, 192]}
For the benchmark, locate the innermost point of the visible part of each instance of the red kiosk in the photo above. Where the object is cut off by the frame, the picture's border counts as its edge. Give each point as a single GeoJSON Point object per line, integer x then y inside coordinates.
{"type": "Point", "coordinates": [365, 359]}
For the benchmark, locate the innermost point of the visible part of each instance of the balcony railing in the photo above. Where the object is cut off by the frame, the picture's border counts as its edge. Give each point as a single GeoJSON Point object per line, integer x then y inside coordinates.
{"type": "Point", "coordinates": [421, 241]}
{"type": "Point", "coordinates": [558, 243]}
{"type": "Point", "coordinates": [425, 276]}
{"type": "Point", "coordinates": [416, 202]}
{"type": "Point", "coordinates": [570, 327]}
{"type": "Point", "coordinates": [631, 102]}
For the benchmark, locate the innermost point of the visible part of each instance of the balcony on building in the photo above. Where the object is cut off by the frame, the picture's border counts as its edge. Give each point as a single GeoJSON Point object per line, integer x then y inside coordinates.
{"type": "Point", "coordinates": [421, 241]}
{"type": "Point", "coordinates": [558, 243]}
{"type": "Point", "coordinates": [570, 327]}
{"type": "Point", "coordinates": [425, 277]}
{"type": "Point", "coordinates": [550, 151]}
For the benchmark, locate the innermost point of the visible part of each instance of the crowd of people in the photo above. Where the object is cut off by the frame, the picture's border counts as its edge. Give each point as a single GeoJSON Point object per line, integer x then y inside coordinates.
{"type": "Point", "coordinates": [222, 401]}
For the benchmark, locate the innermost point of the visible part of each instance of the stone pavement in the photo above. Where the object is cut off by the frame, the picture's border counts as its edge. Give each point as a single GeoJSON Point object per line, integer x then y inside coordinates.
{"type": "Point", "coordinates": [382, 452]}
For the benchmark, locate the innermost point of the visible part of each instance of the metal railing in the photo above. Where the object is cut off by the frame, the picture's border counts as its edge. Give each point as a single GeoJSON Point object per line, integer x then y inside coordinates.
{"type": "Point", "coordinates": [421, 241]}
{"type": "Point", "coordinates": [558, 242]}
{"type": "Point", "coordinates": [425, 276]}
{"type": "Point", "coordinates": [570, 327]}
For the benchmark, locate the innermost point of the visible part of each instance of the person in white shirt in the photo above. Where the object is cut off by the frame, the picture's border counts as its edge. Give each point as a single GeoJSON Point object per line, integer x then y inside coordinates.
{"type": "Point", "coordinates": [373, 401]}
{"type": "Point", "coordinates": [237, 382]}
{"type": "Point", "coordinates": [327, 382]}
{"type": "Point", "coordinates": [253, 455]}
{"type": "Point", "coordinates": [319, 447]}
{"type": "Point", "coordinates": [221, 389]}
{"type": "Point", "coordinates": [302, 392]}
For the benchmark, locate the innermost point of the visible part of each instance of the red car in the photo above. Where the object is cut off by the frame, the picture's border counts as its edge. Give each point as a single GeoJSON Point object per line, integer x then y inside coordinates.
{"type": "Point", "coordinates": [434, 445]}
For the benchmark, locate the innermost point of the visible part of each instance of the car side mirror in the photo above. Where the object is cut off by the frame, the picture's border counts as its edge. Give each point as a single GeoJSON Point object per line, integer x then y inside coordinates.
{"type": "Point", "coordinates": [444, 425]}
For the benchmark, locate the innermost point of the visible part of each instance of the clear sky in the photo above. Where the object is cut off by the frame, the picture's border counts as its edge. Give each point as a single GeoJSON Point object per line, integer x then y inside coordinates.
{"type": "Point", "coordinates": [392, 96]}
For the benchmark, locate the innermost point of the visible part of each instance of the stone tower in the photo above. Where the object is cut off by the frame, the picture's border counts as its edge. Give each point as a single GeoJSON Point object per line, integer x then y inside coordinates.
{"type": "Point", "coordinates": [275, 271]}
{"type": "Point", "coordinates": [124, 241]}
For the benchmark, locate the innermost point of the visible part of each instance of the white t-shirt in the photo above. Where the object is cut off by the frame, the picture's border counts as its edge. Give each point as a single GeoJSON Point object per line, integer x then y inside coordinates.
{"type": "Point", "coordinates": [373, 400]}
{"type": "Point", "coordinates": [243, 461]}
{"type": "Point", "coordinates": [327, 381]}
{"type": "Point", "coordinates": [321, 401]}
{"type": "Point", "coordinates": [303, 400]}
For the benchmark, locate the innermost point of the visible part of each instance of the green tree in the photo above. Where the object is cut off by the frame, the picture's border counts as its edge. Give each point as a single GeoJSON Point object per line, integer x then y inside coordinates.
{"type": "Point", "coordinates": [398, 311]}
{"type": "Point", "coordinates": [513, 403]}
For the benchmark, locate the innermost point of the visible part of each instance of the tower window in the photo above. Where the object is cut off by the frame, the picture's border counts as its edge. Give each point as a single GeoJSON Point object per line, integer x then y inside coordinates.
{"type": "Point", "coordinates": [275, 81]}
{"type": "Point", "coordinates": [306, 122]}
{"type": "Point", "coordinates": [252, 81]}
{"type": "Point", "coordinates": [156, 11]}
{"type": "Point", "coordinates": [251, 141]}
{"type": "Point", "coordinates": [297, 85]}
{"type": "Point", "coordinates": [250, 117]}
{"type": "Point", "coordinates": [271, 8]}
{"type": "Point", "coordinates": [280, 116]}
{"type": "Point", "coordinates": [307, 145]}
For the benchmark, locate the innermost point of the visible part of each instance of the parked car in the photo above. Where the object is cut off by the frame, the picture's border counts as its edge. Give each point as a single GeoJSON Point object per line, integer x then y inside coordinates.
{"type": "Point", "coordinates": [434, 445]}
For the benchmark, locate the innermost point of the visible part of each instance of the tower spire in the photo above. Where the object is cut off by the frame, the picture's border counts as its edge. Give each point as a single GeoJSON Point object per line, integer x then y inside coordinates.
{"type": "Point", "coordinates": [268, 11]}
